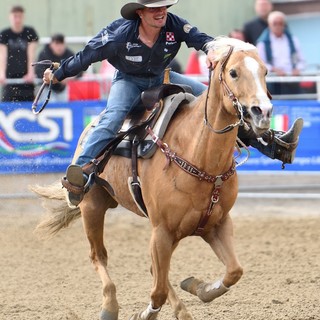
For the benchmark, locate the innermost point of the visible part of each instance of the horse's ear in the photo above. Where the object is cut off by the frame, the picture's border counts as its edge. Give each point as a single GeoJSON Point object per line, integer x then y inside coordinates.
{"type": "Point", "coordinates": [269, 95]}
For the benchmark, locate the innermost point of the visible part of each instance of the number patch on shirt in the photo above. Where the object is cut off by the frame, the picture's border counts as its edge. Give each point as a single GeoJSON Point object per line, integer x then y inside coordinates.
{"type": "Point", "coordinates": [134, 58]}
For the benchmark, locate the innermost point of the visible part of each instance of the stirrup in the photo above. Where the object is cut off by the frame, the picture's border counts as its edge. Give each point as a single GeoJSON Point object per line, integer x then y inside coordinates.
{"type": "Point", "coordinates": [77, 183]}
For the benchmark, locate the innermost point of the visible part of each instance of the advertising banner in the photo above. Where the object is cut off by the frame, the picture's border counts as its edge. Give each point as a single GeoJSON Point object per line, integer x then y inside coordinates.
{"type": "Point", "coordinates": [308, 152]}
{"type": "Point", "coordinates": [46, 142]}
{"type": "Point", "coordinates": [42, 143]}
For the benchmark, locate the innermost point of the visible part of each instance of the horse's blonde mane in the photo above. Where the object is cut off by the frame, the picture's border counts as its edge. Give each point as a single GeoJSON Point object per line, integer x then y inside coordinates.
{"type": "Point", "coordinates": [221, 45]}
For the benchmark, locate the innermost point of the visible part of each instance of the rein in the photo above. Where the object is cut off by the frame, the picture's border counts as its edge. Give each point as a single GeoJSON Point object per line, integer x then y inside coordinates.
{"type": "Point", "coordinates": [52, 66]}
{"type": "Point", "coordinates": [236, 104]}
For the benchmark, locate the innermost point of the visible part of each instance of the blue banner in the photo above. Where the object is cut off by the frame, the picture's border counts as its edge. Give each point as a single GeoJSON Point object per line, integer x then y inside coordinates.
{"type": "Point", "coordinates": [42, 143]}
{"type": "Point", "coordinates": [308, 152]}
{"type": "Point", "coordinates": [46, 143]}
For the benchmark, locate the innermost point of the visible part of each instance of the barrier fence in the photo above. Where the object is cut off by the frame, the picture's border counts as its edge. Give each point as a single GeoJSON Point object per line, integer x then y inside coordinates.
{"type": "Point", "coordinates": [102, 84]}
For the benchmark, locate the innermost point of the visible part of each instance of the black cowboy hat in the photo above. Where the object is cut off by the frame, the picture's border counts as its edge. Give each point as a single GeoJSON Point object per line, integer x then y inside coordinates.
{"type": "Point", "coordinates": [128, 11]}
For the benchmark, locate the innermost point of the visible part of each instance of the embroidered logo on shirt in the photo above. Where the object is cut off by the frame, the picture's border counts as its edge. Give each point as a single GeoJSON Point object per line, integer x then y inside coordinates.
{"type": "Point", "coordinates": [130, 45]}
{"type": "Point", "coordinates": [134, 58]}
{"type": "Point", "coordinates": [170, 36]}
{"type": "Point", "coordinates": [187, 28]}
{"type": "Point", "coordinates": [104, 37]}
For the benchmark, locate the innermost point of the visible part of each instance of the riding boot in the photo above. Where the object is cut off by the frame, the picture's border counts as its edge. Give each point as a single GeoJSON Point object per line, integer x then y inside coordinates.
{"type": "Point", "coordinates": [276, 144]}
{"type": "Point", "coordinates": [78, 181]}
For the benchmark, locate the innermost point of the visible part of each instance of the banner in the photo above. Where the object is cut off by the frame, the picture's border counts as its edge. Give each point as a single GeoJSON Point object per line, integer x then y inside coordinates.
{"type": "Point", "coordinates": [308, 152]}
{"type": "Point", "coordinates": [46, 142]}
{"type": "Point", "coordinates": [42, 143]}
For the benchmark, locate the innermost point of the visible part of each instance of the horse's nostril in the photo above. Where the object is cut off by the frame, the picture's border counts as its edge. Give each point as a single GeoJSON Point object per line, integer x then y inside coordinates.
{"type": "Point", "coordinates": [256, 110]}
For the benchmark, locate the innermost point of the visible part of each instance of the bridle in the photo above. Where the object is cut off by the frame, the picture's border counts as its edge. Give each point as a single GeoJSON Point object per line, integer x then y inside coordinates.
{"type": "Point", "coordinates": [236, 104]}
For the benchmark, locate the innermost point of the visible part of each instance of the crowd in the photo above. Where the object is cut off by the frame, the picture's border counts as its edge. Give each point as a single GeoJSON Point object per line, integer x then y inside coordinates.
{"type": "Point", "coordinates": [277, 46]}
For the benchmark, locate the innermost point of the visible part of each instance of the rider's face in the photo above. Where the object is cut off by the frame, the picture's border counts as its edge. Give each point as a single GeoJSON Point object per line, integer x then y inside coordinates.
{"type": "Point", "coordinates": [153, 17]}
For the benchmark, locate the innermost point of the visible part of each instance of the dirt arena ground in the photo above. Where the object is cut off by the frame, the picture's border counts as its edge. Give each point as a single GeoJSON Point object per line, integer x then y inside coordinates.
{"type": "Point", "coordinates": [277, 241]}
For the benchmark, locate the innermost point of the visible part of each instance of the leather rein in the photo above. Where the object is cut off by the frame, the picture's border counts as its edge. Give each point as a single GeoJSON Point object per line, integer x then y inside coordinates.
{"type": "Point", "coordinates": [52, 66]}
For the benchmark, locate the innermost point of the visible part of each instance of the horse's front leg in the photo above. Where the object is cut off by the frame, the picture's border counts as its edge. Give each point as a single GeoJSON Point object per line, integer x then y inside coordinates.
{"type": "Point", "coordinates": [93, 209]}
{"type": "Point", "coordinates": [161, 246]}
{"type": "Point", "coordinates": [221, 241]}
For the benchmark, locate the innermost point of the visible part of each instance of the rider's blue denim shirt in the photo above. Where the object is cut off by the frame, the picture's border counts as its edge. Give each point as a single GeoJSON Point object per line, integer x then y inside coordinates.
{"type": "Point", "coordinates": [119, 43]}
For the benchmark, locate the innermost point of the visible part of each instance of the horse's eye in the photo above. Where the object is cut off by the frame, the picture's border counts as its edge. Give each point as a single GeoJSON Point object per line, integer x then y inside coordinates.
{"type": "Point", "coordinates": [233, 73]}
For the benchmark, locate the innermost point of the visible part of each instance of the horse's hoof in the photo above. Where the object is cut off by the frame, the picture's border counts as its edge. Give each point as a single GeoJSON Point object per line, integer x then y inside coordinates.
{"type": "Point", "coordinates": [107, 315]}
{"type": "Point", "coordinates": [190, 285]}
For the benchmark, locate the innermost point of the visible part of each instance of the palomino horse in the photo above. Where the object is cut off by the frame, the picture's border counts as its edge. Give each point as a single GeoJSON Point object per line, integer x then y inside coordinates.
{"type": "Point", "coordinates": [185, 197]}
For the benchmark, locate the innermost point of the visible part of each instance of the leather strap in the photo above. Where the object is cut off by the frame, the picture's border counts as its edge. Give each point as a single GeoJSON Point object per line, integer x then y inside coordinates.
{"type": "Point", "coordinates": [135, 183]}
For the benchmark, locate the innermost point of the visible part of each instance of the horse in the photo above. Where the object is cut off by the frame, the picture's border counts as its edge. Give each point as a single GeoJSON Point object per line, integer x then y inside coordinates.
{"type": "Point", "coordinates": [189, 185]}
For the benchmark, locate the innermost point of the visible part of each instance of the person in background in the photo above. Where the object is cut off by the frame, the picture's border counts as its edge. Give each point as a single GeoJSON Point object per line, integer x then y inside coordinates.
{"type": "Point", "coordinates": [17, 52]}
{"type": "Point", "coordinates": [253, 28]}
{"type": "Point", "coordinates": [236, 34]}
{"type": "Point", "coordinates": [55, 51]}
{"type": "Point", "coordinates": [281, 52]}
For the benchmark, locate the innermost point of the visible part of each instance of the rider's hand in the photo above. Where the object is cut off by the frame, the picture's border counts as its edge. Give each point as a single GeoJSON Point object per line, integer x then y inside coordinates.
{"type": "Point", "coordinates": [48, 76]}
{"type": "Point", "coordinates": [211, 59]}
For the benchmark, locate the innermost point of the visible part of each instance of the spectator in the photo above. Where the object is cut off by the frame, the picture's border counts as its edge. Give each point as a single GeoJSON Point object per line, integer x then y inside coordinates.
{"type": "Point", "coordinates": [17, 52]}
{"type": "Point", "coordinates": [55, 51]}
{"type": "Point", "coordinates": [253, 28]}
{"type": "Point", "coordinates": [236, 34]}
{"type": "Point", "coordinates": [280, 50]}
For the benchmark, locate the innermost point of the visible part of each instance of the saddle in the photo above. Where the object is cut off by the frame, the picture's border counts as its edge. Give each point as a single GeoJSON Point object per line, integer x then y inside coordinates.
{"type": "Point", "coordinates": [167, 105]}
{"type": "Point", "coordinates": [157, 107]}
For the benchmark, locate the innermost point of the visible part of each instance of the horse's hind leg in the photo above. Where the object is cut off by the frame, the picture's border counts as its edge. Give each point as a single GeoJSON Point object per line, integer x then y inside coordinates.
{"type": "Point", "coordinates": [221, 241]}
{"type": "Point", "coordinates": [93, 209]}
{"type": "Point", "coordinates": [179, 309]}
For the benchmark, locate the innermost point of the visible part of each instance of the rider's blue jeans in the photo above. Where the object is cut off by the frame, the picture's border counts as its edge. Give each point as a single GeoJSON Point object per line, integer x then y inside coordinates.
{"type": "Point", "coordinates": [125, 92]}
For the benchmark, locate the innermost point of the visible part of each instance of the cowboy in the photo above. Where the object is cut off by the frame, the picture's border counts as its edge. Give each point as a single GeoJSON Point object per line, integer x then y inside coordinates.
{"type": "Point", "coordinates": [140, 46]}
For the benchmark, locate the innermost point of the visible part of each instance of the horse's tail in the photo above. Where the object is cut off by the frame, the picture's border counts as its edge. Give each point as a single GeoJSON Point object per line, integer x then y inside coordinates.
{"type": "Point", "coordinates": [60, 214]}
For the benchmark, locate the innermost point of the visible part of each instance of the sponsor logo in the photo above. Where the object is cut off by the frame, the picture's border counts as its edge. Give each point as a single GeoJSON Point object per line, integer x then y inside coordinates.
{"type": "Point", "coordinates": [27, 135]}
{"type": "Point", "coordinates": [170, 36]}
{"type": "Point", "coordinates": [187, 28]}
{"type": "Point", "coordinates": [47, 122]}
{"type": "Point", "coordinates": [130, 46]}
{"type": "Point", "coordinates": [170, 43]}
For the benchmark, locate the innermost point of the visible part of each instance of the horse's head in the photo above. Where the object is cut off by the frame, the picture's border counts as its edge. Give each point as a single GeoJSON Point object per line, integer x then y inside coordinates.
{"type": "Point", "coordinates": [242, 74]}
